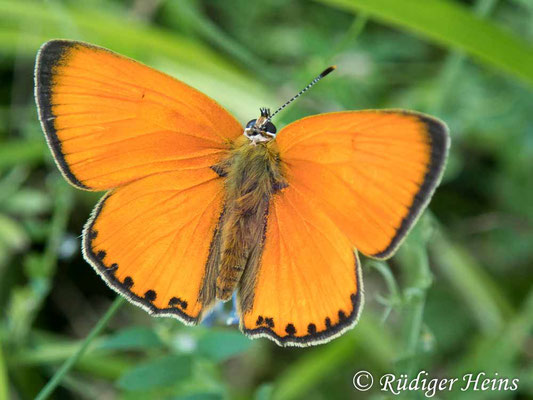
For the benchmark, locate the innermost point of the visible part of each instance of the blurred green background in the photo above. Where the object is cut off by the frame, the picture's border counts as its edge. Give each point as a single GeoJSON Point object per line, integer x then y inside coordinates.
{"type": "Point", "coordinates": [456, 298]}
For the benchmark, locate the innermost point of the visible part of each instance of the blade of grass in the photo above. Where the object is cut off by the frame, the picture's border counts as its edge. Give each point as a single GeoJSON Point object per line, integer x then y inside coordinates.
{"type": "Point", "coordinates": [173, 53]}
{"type": "Point", "coordinates": [51, 350]}
{"type": "Point", "coordinates": [71, 361]}
{"type": "Point", "coordinates": [454, 62]}
{"type": "Point", "coordinates": [4, 389]}
{"type": "Point", "coordinates": [169, 51]}
{"type": "Point", "coordinates": [133, 36]}
{"type": "Point", "coordinates": [452, 25]}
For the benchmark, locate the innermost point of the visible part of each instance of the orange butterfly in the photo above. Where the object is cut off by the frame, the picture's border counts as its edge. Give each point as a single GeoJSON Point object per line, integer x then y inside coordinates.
{"type": "Point", "coordinates": [196, 209]}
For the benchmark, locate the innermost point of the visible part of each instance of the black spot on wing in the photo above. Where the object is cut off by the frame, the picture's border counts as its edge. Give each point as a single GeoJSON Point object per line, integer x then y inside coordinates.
{"type": "Point", "coordinates": [177, 301]}
{"type": "Point", "coordinates": [265, 321]}
{"type": "Point", "coordinates": [150, 295]}
{"type": "Point", "coordinates": [290, 329]}
{"type": "Point", "coordinates": [128, 282]}
{"type": "Point", "coordinates": [174, 301]}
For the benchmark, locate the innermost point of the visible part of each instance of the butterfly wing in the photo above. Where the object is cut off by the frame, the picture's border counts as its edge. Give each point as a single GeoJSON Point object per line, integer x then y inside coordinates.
{"type": "Point", "coordinates": [110, 120]}
{"type": "Point", "coordinates": [113, 123]}
{"type": "Point", "coordinates": [307, 288]}
{"type": "Point", "coordinates": [154, 241]}
{"type": "Point", "coordinates": [371, 172]}
{"type": "Point", "coordinates": [354, 178]}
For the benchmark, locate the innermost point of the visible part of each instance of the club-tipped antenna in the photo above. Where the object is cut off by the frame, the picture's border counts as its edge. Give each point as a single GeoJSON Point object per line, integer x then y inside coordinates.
{"type": "Point", "coordinates": [305, 89]}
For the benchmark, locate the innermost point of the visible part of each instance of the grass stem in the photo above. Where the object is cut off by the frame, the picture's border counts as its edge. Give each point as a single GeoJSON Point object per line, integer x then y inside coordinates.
{"type": "Point", "coordinates": [47, 390]}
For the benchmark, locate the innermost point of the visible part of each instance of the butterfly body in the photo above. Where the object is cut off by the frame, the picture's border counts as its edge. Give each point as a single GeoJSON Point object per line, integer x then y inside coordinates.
{"type": "Point", "coordinates": [252, 173]}
{"type": "Point", "coordinates": [199, 207]}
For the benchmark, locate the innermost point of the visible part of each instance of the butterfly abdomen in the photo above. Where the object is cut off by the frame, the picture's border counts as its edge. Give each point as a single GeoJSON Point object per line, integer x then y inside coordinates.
{"type": "Point", "coordinates": [253, 174]}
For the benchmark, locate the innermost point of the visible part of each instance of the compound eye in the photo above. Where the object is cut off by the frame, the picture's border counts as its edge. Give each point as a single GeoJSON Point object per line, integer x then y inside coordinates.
{"type": "Point", "coordinates": [250, 124]}
{"type": "Point", "coordinates": [270, 128]}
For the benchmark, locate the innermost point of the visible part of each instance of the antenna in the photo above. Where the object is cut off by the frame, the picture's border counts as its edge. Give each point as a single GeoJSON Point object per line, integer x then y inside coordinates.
{"type": "Point", "coordinates": [305, 89]}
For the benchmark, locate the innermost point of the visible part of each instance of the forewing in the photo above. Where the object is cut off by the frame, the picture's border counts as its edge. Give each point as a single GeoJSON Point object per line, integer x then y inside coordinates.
{"type": "Point", "coordinates": [371, 172]}
{"type": "Point", "coordinates": [110, 120]}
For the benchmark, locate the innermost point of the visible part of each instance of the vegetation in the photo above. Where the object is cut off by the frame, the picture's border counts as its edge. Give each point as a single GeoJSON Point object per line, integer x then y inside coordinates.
{"type": "Point", "coordinates": [456, 298]}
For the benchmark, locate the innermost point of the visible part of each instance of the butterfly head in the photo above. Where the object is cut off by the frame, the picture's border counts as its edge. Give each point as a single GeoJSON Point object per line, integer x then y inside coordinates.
{"type": "Point", "coordinates": [260, 129]}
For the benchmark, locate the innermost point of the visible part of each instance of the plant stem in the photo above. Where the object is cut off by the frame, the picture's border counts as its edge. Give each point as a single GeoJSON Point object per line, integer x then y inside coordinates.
{"type": "Point", "coordinates": [393, 297]}
{"type": "Point", "coordinates": [4, 389]}
{"type": "Point", "coordinates": [421, 280]}
{"type": "Point", "coordinates": [413, 261]}
{"type": "Point", "coordinates": [69, 363]}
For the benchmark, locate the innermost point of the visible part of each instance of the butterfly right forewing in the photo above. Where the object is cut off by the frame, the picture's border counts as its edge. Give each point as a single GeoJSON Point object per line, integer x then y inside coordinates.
{"type": "Point", "coordinates": [371, 172]}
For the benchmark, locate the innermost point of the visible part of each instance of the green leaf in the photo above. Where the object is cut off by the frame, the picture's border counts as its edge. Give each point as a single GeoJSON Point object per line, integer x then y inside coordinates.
{"type": "Point", "coordinates": [454, 26]}
{"type": "Point", "coordinates": [132, 338]}
{"type": "Point", "coordinates": [161, 372]}
{"type": "Point", "coordinates": [220, 345]}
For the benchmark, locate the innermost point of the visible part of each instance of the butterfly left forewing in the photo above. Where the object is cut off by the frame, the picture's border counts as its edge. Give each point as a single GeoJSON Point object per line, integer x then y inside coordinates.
{"type": "Point", "coordinates": [306, 289]}
{"type": "Point", "coordinates": [110, 120]}
{"type": "Point", "coordinates": [154, 240]}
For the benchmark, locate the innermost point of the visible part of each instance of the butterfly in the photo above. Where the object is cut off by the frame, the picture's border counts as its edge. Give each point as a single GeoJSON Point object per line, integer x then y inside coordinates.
{"type": "Point", "coordinates": [199, 207]}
